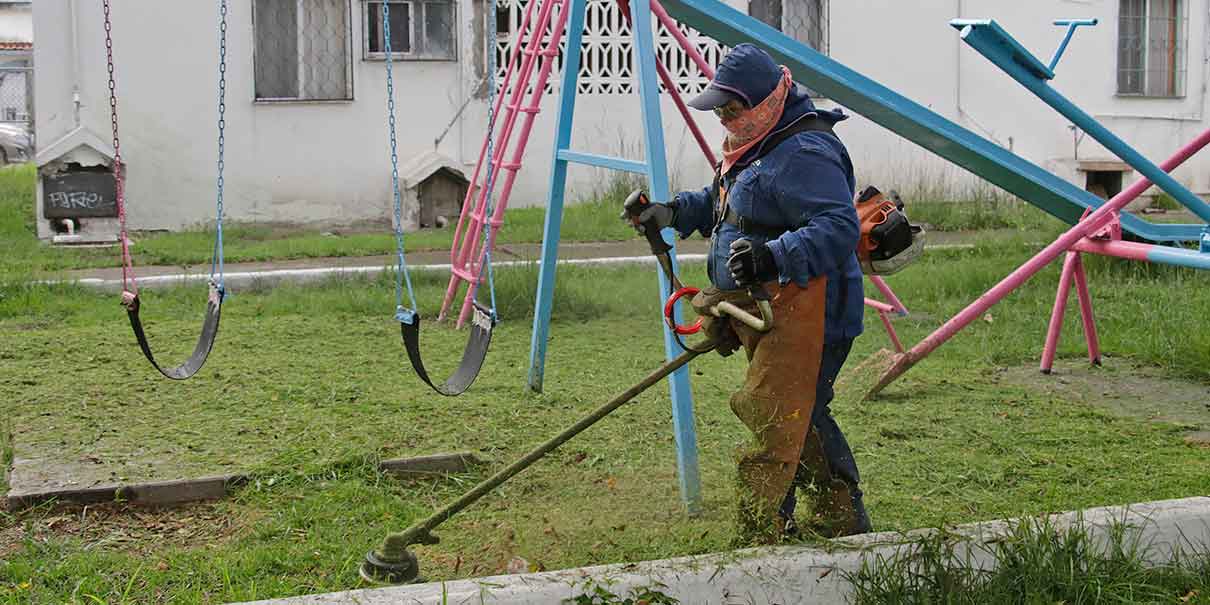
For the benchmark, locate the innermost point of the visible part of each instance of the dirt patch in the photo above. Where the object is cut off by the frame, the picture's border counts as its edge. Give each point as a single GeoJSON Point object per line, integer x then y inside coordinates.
{"type": "Point", "coordinates": [131, 529]}
{"type": "Point", "coordinates": [1122, 388]}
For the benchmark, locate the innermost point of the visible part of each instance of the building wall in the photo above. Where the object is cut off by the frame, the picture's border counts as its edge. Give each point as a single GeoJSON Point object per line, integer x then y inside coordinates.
{"type": "Point", "coordinates": [16, 22]}
{"type": "Point", "coordinates": [328, 162]}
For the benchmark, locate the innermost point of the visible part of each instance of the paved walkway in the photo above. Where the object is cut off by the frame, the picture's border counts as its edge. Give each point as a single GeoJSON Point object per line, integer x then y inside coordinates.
{"type": "Point", "coordinates": [306, 269]}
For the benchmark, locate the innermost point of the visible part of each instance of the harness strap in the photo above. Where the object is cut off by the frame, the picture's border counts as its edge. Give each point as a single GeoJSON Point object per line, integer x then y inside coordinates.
{"type": "Point", "coordinates": [724, 213]}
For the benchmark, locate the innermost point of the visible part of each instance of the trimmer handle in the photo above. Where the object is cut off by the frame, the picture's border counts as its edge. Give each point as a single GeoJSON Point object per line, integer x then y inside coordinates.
{"type": "Point", "coordinates": [635, 204]}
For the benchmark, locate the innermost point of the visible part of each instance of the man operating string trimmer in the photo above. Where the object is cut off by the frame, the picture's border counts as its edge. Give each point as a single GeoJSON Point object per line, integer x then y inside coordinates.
{"type": "Point", "coordinates": [783, 227]}
{"type": "Point", "coordinates": [780, 213]}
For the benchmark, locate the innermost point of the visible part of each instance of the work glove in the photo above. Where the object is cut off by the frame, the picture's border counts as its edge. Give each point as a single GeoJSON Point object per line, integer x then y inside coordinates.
{"type": "Point", "coordinates": [751, 264]}
{"type": "Point", "coordinates": [663, 214]}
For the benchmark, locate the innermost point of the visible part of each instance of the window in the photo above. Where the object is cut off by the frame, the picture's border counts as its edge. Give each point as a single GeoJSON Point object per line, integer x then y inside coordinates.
{"type": "Point", "coordinates": [803, 20]}
{"type": "Point", "coordinates": [302, 50]}
{"type": "Point", "coordinates": [1151, 48]}
{"type": "Point", "coordinates": [419, 30]}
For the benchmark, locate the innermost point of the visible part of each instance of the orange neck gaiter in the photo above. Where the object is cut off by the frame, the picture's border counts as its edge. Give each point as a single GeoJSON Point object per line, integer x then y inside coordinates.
{"type": "Point", "coordinates": [749, 128]}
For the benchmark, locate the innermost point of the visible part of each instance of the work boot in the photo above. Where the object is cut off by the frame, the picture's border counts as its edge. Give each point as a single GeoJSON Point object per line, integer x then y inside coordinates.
{"type": "Point", "coordinates": [839, 511]}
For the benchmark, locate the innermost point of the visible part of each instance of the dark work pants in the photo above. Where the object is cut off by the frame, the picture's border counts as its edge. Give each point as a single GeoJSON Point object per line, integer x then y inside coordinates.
{"type": "Point", "coordinates": [836, 449]}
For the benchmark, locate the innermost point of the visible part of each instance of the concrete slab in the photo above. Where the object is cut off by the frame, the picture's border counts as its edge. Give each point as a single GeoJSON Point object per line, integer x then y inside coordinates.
{"type": "Point", "coordinates": [153, 493]}
{"type": "Point", "coordinates": [784, 575]}
{"type": "Point", "coordinates": [422, 467]}
{"type": "Point", "coordinates": [37, 480]}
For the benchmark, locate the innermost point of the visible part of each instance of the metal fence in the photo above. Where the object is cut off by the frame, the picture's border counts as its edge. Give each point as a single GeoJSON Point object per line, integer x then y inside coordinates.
{"type": "Point", "coordinates": [16, 95]}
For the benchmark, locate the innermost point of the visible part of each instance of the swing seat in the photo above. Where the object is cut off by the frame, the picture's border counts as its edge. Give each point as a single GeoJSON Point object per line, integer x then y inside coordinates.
{"type": "Point", "coordinates": [477, 342]}
{"type": "Point", "coordinates": [201, 351]}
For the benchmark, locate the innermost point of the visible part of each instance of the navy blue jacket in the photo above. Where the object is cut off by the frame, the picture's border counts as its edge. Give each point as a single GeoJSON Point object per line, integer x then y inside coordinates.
{"type": "Point", "coordinates": [806, 181]}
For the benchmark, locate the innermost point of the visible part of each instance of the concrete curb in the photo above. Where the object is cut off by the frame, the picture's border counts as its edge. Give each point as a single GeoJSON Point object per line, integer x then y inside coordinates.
{"type": "Point", "coordinates": [784, 575]}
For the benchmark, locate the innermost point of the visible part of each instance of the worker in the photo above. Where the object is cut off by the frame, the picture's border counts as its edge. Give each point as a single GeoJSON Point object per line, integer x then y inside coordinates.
{"type": "Point", "coordinates": [780, 214]}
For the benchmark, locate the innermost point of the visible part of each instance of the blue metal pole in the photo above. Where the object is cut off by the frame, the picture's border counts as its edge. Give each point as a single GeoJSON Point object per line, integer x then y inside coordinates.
{"type": "Point", "coordinates": [1001, 49]}
{"type": "Point", "coordinates": [554, 204]}
{"type": "Point", "coordinates": [911, 120]}
{"type": "Point", "coordinates": [657, 176]}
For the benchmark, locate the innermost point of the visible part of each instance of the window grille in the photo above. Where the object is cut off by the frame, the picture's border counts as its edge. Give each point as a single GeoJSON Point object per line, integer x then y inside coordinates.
{"type": "Point", "coordinates": [16, 90]}
{"type": "Point", "coordinates": [419, 30]}
{"type": "Point", "coordinates": [607, 60]}
{"type": "Point", "coordinates": [302, 50]}
{"type": "Point", "coordinates": [1152, 48]}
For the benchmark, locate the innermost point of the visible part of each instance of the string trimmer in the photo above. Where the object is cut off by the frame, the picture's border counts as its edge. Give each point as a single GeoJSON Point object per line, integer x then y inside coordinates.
{"type": "Point", "coordinates": [394, 563]}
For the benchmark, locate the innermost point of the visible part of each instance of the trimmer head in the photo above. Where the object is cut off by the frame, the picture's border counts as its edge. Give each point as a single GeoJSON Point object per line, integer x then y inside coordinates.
{"type": "Point", "coordinates": [380, 569]}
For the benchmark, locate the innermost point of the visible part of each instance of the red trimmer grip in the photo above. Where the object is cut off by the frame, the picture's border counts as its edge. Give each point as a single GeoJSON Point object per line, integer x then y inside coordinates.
{"type": "Point", "coordinates": [670, 307]}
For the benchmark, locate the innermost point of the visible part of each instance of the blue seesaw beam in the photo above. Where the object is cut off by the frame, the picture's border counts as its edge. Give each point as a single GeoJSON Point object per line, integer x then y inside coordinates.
{"type": "Point", "coordinates": [911, 120]}
{"type": "Point", "coordinates": [987, 37]}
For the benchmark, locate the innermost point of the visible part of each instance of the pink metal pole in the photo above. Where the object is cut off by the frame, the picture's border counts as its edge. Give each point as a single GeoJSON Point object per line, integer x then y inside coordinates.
{"type": "Point", "coordinates": [888, 294]}
{"type": "Point", "coordinates": [472, 191]}
{"type": "Point", "coordinates": [1090, 324]}
{"type": "Point", "coordinates": [530, 53]}
{"type": "Point", "coordinates": [471, 237]}
{"type": "Point", "coordinates": [671, 25]}
{"type": "Point", "coordinates": [1091, 224]}
{"type": "Point", "coordinates": [890, 330]}
{"type": "Point", "coordinates": [1056, 314]}
{"type": "Point", "coordinates": [670, 86]}
{"type": "Point", "coordinates": [549, 53]}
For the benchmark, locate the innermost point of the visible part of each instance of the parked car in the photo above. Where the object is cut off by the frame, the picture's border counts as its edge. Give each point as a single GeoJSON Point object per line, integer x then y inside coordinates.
{"type": "Point", "coordinates": [15, 144]}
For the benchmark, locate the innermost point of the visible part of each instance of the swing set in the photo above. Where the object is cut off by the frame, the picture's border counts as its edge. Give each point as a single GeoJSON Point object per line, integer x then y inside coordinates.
{"type": "Point", "coordinates": [482, 214]}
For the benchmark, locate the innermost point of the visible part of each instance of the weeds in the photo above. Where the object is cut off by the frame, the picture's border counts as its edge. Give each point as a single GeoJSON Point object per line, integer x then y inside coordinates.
{"type": "Point", "coordinates": [1035, 562]}
{"type": "Point", "coordinates": [595, 593]}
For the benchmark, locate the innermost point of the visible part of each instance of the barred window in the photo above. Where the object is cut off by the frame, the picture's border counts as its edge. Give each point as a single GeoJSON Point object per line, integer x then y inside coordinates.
{"type": "Point", "coordinates": [302, 50]}
{"type": "Point", "coordinates": [803, 20]}
{"type": "Point", "coordinates": [1152, 48]}
{"type": "Point", "coordinates": [419, 30]}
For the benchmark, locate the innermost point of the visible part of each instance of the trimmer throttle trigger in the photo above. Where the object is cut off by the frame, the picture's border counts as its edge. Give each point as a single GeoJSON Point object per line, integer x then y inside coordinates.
{"type": "Point", "coordinates": [635, 204]}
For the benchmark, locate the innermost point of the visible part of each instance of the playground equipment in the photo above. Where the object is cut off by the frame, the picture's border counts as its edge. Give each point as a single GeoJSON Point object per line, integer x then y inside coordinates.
{"type": "Point", "coordinates": [480, 336]}
{"type": "Point", "coordinates": [1097, 232]}
{"type": "Point", "coordinates": [130, 291]}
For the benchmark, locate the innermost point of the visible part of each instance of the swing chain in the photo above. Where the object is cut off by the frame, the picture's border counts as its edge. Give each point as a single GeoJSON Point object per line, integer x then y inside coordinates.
{"type": "Point", "coordinates": [401, 313]}
{"type": "Point", "coordinates": [217, 258]}
{"type": "Point", "coordinates": [491, 167]}
{"type": "Point", "coordinates": [129, 288]}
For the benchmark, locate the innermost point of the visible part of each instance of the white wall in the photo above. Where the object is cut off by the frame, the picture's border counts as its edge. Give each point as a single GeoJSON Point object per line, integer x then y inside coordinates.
{"type": "Point", "coordinates": [328, 162]}
{"type": "Point", "coordinates": [16, 23]}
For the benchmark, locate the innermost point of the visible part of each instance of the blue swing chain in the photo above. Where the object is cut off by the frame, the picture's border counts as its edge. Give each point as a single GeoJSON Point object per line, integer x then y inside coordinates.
{"type": "Point", "coordinates": [402, 313]}
{"type": "Point", "coordinates": [216, 260]}
{"type": "Point", "coordinates": [491, 129]}
{"type": "Point", "coordinates": [402, 276]}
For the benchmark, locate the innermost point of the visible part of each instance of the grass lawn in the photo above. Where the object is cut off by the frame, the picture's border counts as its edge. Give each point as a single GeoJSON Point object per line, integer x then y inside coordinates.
{"type": "Point", "coordinates": [308, 387]}
{"type": "Point", "coordinates": [595, 220]}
